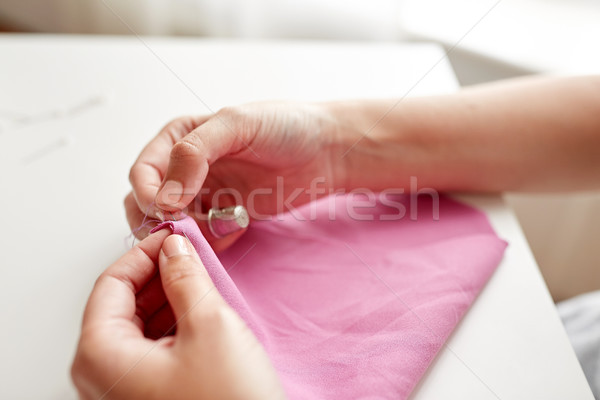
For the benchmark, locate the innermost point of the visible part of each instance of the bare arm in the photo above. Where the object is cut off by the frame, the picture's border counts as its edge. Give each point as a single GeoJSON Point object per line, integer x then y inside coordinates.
{"type": "Point", "coordinates": [528, 134]}
{"type": "Point", "coordinates": [533, 134]}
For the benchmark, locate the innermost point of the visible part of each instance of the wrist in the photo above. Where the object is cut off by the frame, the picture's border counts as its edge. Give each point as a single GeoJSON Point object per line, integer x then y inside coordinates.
{"type": "Point", "coordinates": [378, 145]}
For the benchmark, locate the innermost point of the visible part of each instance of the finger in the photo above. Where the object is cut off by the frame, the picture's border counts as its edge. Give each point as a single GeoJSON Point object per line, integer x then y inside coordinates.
{"type": "Point", "coordinates": [191, 157]}
{"type": "Point", "coordinates": [148, 171]}
{"type": "Point", "coordinates": [162, 323]}
{"type": "Point", "coordinates": [113, 296]}
{"type": "Point", "coordinates": [186, 283]}
{"type": "Point", "coordinates": [139, 223]}
{"type": "Point", "coordinates": [150, 299]}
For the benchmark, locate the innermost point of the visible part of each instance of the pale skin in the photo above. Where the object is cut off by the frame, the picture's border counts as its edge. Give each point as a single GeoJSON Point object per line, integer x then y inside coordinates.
{"type": "Point", "coordinates": [534, 134]}
{"type": "Point", "coordinates": [213, 354]}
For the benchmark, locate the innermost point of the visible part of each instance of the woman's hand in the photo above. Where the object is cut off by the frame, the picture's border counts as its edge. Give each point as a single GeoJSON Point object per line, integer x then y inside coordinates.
{"type": "Point", "coordinates": [212, 355]}
{"type": "Point", "coordinates": [263, 156]}
{"type": "Point", "coordinates": [530, 134]}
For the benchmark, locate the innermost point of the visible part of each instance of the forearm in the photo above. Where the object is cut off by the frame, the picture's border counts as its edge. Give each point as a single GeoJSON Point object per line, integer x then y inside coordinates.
{"type": "Point", "coordinates": [535, 134]}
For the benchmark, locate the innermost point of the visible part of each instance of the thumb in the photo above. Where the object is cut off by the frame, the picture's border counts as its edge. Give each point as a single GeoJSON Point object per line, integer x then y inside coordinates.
{"type": "Point", "coordinates": [190, 158]}
{"type": "Point", "coordinates": [188, 287]}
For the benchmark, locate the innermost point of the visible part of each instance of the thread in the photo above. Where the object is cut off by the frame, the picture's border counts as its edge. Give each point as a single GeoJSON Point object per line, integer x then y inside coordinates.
{"type": "Point", "coordinates": [145, 222]}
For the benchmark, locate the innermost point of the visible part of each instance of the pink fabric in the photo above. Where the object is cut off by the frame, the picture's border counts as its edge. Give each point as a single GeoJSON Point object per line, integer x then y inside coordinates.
{"type": "Point", "coordinates": [354, 309]}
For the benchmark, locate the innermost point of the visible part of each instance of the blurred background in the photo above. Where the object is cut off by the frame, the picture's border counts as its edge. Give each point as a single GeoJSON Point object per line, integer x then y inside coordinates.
{"type": "Point", "coordinates": [486, 40]}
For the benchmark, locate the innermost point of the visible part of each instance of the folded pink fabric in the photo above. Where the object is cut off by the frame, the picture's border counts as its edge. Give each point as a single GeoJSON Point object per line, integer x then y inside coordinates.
{"type": "Point", "coordinates": [350, 308]}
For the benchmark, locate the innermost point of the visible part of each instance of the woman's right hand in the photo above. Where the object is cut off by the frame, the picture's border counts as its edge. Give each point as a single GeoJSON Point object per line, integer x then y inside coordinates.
{"type": "Point", "coordinates": [125, 350]}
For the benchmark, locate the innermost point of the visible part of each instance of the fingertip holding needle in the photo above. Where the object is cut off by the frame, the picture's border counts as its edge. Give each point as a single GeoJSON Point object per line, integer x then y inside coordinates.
{"type": "Point", "coordinates": [225, 221]}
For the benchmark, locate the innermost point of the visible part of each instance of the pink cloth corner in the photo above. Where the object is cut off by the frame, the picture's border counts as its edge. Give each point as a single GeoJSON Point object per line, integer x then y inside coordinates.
{"type": "Point", "coordinates": [351, 308]}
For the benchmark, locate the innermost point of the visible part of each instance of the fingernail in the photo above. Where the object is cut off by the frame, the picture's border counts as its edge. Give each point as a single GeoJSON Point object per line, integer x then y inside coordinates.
{"type": "Point", "coordinates": [170, 194]}
{"type": "Point", "coordinates": [176, 245]}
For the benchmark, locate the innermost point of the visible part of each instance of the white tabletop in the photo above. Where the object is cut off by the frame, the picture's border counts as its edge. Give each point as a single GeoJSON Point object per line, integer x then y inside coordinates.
{"type": "Point", "coordinates": [76, 111]}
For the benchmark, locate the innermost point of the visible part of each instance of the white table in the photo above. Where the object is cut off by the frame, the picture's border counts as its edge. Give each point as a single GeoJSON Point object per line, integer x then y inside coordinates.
{"type": "Point", "coordinates": [92, 104]}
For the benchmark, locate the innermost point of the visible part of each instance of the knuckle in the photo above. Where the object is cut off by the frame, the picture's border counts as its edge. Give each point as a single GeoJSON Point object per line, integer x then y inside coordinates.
{"type": "Point", "coordinates": [237, 118]}
{"type": "Point", "coordinates": [241, 122]}
{"type": "Point", "coordinates": [179, 128]}
{"type": "Point", "coordinates": [128, 200]}
{"type": "Point", "coordinates": [76, 369]}
{"type": "Point", "coordinates": [85, 361]}
{"type": "Point", "coordinates": [137, 176]}
{"type": "Point", "coordinates": [103, 276]}
{"type": "Point", "coordinates": [132, 173]}
{"type": "Point", "coordinates": [219, 317]}
{"type": "Point", "coordinates": [117, 272]}
{"type": "Point", "coordinates": [79, 366]}
{"type": "Point", "coordinates": [185, 150]}
{"type": "Point", "coordinates": [230, 112]}
{"type": "Point", "coordinates": [175, 125]}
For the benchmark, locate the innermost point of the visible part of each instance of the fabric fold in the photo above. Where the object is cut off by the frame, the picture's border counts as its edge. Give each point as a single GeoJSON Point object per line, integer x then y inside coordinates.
{"type": "Point", "coordinates": [349, 307]}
